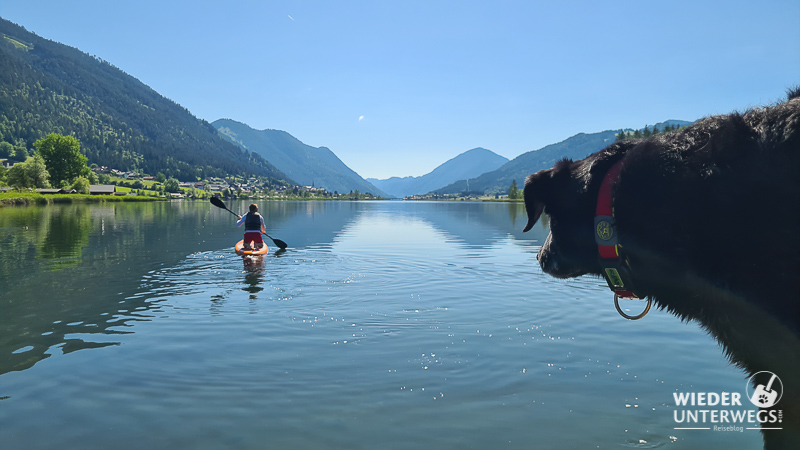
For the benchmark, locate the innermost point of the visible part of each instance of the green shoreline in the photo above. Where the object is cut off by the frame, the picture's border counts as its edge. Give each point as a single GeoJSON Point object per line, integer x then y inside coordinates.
{"type": "Point", "coordinates": [27, 199]}
{"type": "Point", "coordinates": [30, 198]}
{"type": "Point", "coordinates": [466, 199]}
{"type": "Point", "coordinates": [24, 198]}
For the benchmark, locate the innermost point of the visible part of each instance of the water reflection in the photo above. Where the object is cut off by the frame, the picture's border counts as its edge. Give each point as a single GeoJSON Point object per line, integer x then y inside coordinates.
{"type": "Point", "coordinates": [254, 275]}
{"type": "Point", "coordinates": [68, 273]}
{"type": "Point", "coordinates": [57, 234]}
{"type": "Point", "coordinates": [423, 315]}
{"type": "Point", "coordinates": [64, 234]}
{"type": "Point", "coordinates": [75, 276]}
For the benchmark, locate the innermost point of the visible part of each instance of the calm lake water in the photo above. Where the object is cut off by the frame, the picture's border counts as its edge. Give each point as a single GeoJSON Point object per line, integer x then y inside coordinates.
{"type": "Point", "coordinates": [384, 325]}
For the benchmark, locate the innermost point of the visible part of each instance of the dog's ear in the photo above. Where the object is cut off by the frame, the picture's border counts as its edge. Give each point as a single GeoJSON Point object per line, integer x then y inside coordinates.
{"type": "Point", "coordinates": [535, 195]}
{"type": "Point", "coordinates": [540, 189]}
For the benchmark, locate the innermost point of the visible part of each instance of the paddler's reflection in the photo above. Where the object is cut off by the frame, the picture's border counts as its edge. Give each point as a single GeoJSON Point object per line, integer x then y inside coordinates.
{"type": "Point", "coordinates": [254, 275]}
{"type": "Point", "coordinates": [254, 269]}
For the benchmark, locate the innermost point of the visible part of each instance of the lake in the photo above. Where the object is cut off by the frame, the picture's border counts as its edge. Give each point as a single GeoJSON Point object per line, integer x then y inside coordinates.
{"type": "Point", "coordinates": [383, 325]}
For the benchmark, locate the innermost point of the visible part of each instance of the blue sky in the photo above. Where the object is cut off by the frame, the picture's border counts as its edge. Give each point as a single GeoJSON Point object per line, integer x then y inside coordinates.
{"type": "Point", "coordinates": [397, 88]}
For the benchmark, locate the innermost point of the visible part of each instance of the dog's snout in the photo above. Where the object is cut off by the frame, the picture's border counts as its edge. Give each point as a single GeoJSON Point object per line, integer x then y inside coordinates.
{"type": "Point", "coordinates": [555, 263]}
{"type": "Point", "coordinates": [546, 261]}
{"type": "Point", "coordinates": [545, 256]}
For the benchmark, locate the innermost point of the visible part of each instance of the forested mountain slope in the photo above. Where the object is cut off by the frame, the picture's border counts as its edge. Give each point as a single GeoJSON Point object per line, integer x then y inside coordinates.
{"type": "Point", "coordinates": [47, 87]}
{"type": "Point", "coordinates": [317, 166]}
{"type": "Point", "coordinates": [576, 147]}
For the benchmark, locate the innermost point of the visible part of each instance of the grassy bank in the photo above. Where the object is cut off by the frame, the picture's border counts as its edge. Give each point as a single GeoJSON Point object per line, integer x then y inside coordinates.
{"type": "Point", "coordinates": [34, 198]}
{"type": "Point", "coordinates": [501, 200]}
{"type": "Point", "coordinates": [467, 199]}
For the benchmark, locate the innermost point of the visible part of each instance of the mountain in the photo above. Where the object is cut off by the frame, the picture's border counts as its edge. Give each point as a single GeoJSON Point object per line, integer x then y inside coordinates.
{"type": "Point", "coordinates": [576, 147]}
{"type": "Point", "coordinates": [47, 87]}
{"type": "Point", "coordinates": [466, 165]}
{"type": "Point", "coordinates": [307, 165]}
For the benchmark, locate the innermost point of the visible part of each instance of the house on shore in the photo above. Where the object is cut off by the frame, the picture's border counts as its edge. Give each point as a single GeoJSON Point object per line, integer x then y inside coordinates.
{"type": "Point", "coordinates": [56, 191]}
{"type": "Point", "coordinates": [102, 189]}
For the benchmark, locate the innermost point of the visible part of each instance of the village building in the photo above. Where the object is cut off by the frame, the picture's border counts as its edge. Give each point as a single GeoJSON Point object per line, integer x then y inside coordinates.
{"type": "Point", "coordinates": [102, 189]}
{"type": "Point", "coordinates": [56, 191]}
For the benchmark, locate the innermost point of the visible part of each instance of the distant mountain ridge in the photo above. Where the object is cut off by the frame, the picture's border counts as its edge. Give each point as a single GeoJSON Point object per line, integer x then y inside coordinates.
{"type": "Point", "coordinates": [466, 165]}
{"type": "Point", "coordinates": [47, 87]}
{"type": "Point", "coordinates": [576, 147]}
{"type": "Point", "coordinates": [317, 166]}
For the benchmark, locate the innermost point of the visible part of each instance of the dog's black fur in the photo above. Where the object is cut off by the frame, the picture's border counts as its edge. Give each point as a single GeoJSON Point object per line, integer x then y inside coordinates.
{"type": "Point", "coordinates": [709, 217]}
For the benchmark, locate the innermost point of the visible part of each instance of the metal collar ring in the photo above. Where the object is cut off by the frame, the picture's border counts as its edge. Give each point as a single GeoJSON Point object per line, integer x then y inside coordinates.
{"type": "Point", "coordinates": [628, 316]}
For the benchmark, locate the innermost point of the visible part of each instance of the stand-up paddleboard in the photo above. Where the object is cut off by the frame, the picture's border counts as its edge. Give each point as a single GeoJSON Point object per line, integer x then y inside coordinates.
{"type": "Point", "coordinates": [220, 204]}
{"type": "Point", "coordinates": [239, 247]}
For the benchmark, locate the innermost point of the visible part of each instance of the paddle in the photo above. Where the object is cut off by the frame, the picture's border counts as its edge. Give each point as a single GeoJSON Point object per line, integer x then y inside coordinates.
{"type": "Point", "coordinates": [282, 245]}
{"type": "Point", "coordinates": [219, 204]}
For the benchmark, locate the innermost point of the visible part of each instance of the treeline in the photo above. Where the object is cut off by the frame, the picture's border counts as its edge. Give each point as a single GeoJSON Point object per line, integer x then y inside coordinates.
{"type": "Point", "coordinates": [47, 87]}
{"type": "Point", "coordinates": [646, 132]}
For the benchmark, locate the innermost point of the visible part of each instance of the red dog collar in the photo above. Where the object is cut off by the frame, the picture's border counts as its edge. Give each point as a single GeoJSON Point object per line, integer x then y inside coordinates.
{"type": "Point", "coordinates": [616, 269]}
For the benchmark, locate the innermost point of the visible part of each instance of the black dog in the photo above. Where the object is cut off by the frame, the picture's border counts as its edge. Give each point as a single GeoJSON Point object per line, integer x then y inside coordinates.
{"type": "Point", "coordinates": [705, 221]}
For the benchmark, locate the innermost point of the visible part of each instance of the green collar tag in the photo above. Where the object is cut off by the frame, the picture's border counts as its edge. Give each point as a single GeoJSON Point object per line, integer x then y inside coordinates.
{"type": "Point", "coordinates": [614, 278]}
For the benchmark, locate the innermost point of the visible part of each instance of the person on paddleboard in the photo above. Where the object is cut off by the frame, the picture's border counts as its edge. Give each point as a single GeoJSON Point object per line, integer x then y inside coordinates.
{"type": "Point", "coordinates": [253, 227]}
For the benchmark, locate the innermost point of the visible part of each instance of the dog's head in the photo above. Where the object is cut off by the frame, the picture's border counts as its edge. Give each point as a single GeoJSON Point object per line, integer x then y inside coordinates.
{"type": "Point", "coordinates": [567, 194]}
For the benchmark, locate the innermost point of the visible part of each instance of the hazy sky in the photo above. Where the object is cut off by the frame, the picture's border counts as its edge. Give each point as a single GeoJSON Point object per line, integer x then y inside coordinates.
{"type": "Point", "coordinates": [396, 88]}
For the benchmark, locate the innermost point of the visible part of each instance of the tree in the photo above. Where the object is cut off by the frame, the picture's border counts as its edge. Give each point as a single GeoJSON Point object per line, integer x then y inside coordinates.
{"type": "Point", "coordinates": [172, 185]}
{"type": "Point", "coordinates": [160, 177]}
{"type": "Point", "coordinates": [81, 185]}
{"type": "Point", "coordinates": [20, 153]}
{"type": "Point", "coordinates": [63, 157]}
{"type": "Point", "coordinates": [6, 150]}
{"type": "Point", "coordinates": [513, 191]}
{"type": "Point", "coordinates": [16, 176]}
{"type": "Point", "coordinates": [31, 174]}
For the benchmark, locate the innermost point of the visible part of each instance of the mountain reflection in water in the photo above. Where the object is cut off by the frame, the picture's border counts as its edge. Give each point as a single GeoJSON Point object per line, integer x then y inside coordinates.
{"type": "Point", "coordinates": [380, 317]}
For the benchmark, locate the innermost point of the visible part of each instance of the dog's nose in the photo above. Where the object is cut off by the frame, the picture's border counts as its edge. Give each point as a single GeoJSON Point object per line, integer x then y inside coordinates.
{"type": "Point", "coordinates": [546, 261]}
{"type": "Point", "coordinates": [545, 255]}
